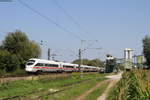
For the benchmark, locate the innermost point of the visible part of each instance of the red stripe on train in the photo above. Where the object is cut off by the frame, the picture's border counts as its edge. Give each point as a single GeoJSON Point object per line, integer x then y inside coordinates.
{"type": "Point", "coordinates": [57, 68]}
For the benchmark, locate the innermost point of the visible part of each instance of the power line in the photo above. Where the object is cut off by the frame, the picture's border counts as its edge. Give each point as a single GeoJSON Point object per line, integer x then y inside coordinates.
{"type": "Point", "coordinates": [49, 20]}
{"type": "Point", "coordinates": [73, 20]}
{"type": "Point", "coordinates": [70, 17]}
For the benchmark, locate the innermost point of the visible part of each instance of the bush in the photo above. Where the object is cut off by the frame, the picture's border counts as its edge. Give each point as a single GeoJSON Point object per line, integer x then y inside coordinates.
{"type": "Point", "coordinates": [133, 86]}
{"type": "Point", "coordinates": [8, 62]}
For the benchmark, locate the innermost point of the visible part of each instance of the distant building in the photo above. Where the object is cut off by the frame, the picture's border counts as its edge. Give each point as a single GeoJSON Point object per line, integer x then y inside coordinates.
{"type": "Point", "coordinates": [128, 58]}
{"type": "Point", "coordinates": [138, 61]}
{"type": "Point", "coordinates": [110, 63]}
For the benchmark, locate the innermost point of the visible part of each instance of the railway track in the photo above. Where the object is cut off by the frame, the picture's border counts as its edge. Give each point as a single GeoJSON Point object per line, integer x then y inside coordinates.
{"type": "Point", "coordinates": [32, 77]}
{"type": "Point", "coordinates": [36, 74]}
{"type": "Point", "coordinates": [5, 79]}
{"type": "Point", "coordinates": [25, 75]}
{"type": "Point", "coordinates": [47, 92]}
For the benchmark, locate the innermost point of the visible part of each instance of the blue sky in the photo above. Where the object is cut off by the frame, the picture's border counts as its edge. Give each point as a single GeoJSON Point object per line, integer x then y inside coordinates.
{"type": "Point", "coordinates": [116, 24]}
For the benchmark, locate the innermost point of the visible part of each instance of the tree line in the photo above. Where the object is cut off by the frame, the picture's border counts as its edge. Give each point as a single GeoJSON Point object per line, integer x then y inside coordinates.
{"type": "Point", "coordinates": [93, 62]}
{"type": "Point", "coordinates": [146, 50]}
{"type": "Point", "coordinates": [15, 50]}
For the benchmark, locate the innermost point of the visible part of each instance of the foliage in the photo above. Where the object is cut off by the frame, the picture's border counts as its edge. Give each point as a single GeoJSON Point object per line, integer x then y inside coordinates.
{"type": "Point", "coordinates": [84, 61]}
{"type": "Point", "coordinates": [94, 62]}
{"type": "Point", "coordinates": [16, 49]}
{"type": "Point", "coordinates": [8, 62]}
{"type": "Point", "coordinates": [18, 44]}
{"type": "Point", "coordinates": [146, 49]}
{"type": "Point", "coordinates": [134, 85]}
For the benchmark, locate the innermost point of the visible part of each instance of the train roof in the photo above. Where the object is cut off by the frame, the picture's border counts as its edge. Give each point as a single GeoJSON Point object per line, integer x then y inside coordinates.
{"type": "Point", "coordinates": [67, 63]}
{"type": "Point", "coordinates": [43, 60]}
{"type": "Point", "coordinates": [51, 61]}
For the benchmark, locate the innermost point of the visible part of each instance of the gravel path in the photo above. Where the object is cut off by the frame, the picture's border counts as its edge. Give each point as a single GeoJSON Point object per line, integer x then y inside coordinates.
{"type": "Point", "coordinates": [82, 96]}
{"type": "Point", "coordinates": [113, 80]}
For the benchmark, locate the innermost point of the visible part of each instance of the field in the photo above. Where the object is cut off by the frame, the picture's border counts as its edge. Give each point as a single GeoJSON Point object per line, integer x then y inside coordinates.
{"type": "Point", "coordinates": [64, 88]}
{"type": "Point", "coordinates": [134, 85]}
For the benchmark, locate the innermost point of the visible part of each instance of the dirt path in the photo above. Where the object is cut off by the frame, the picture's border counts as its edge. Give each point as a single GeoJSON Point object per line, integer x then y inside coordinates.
{"type": "Point", "coordinates": [114, 79]}
{"type": "Point", "coordinates": [82, 96]}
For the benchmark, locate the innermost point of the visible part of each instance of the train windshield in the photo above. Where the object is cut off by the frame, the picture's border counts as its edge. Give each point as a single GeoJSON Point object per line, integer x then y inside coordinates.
{"type": "Point", "coordinates": [30, 62]}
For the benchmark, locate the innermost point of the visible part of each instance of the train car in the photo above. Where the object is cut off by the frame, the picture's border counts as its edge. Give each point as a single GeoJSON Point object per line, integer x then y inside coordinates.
{"type": "Point", "coordinates": [68, 67]}
{"type": "Point", "coordinates": [85, 68]}
{"type": "Point", "coordinates": [94, 69]}
{"type": "Point", "coordinates": [40, 65]}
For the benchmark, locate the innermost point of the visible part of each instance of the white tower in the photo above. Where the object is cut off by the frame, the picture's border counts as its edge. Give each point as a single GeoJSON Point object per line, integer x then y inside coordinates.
{"type": "Point", "coordinates": [128, 56]}
{"type": "Point", "coordinates": [128, 53]}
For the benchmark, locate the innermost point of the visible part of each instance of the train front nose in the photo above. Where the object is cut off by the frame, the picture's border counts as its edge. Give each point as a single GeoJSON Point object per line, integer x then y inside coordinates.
{"type": "Point", "coordinates": [28, 68]}
{"type": "Point", "coordinates": [29, 65]}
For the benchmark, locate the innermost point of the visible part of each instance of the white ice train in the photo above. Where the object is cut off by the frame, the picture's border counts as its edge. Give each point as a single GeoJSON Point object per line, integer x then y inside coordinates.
{"type": "Point", "coordinates": [40, 65]}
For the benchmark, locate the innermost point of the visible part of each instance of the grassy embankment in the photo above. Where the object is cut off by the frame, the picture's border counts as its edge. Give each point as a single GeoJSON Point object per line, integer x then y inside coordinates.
{"type": "Point", "coordinates": [43, 88]}
{"type": "Point", "coordinates": [97, 92]}
{"type": "Point", "coordinates": [18, 72]}
{"type": "Point", "coordinates": [73, 93]}
{"type": "Point", "coordinates": [134, 85]}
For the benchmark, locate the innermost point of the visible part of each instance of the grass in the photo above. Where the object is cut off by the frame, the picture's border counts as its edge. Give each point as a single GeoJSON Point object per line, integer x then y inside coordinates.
{"type": "Point", "coordinates": [25, 87]}
{"type": "Point", "coordinates": [112, 93]}
{"type": "Point", "coordinates": [76, 90]}
{"type": "Point", "coordinates": [17, 72]}
{"type": "Point", "coordinates": [96, 93]}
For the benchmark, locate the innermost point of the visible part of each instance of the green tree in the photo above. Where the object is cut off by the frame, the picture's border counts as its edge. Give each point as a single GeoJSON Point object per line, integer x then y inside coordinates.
{"type": "Point", "coordinates": [84, 61]}
{"type": "Point", "coordinates": [146, 50]}
{"type": "Point", "coordinates": [17, 43]}
{"type": "Point", "coordinates": [8, 62]}
{"type": "Point", "coordinates": [96, 62]}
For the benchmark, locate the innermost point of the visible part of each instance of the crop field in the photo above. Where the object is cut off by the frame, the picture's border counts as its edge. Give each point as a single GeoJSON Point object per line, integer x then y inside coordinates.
{"type": "Point", "coordinates": [134, 85]}
{"type": "Point", "coordinates": [64, 88]}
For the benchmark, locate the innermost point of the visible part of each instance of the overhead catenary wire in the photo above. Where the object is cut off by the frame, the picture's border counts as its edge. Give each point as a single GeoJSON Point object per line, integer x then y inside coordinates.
{"type": "Point", "coordinates": [74, 21]}
{"type": "Point", "coordinates": [50, 20]}
{"type": "Point", "coordinates": [70, 17]}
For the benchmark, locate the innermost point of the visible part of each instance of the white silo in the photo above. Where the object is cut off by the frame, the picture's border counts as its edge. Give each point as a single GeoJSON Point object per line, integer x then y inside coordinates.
{"type": "Point", "coordinates": [128, 56]}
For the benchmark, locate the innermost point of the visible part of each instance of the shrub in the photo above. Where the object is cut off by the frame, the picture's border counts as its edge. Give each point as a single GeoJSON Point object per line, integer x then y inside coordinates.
{"type": "Point", "coordinates": [8, 62]}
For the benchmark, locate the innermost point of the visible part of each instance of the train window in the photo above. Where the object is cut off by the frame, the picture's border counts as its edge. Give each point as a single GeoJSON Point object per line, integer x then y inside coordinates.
{"type": "Point", "coordinates": [47, 65]}
{"type": "Point", "coordinates": [71, 66]}
{"type": "Point", "coordinates": [39, 64]}
{"type": "Point", "coordinates": [66, 66]}
{"type": "Point", "coordinates": [55, 65]}
{"type": "Point", "coordinates": [51, 65]}
{"type": "Point", "coordinates": [30, 62]}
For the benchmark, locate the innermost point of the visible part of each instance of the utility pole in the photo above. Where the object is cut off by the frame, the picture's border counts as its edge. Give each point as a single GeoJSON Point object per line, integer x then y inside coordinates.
{"type": "Point", "coordinates": [81, 50]}
{"type": "Point", "coordinates": [79, 60]}
{"type": "Point", "coordinates": [49, 55]}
